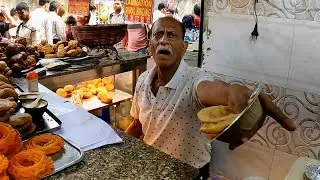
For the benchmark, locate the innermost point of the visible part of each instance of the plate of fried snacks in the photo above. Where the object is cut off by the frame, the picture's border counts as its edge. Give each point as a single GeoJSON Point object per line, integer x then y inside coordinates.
{"type": "Point", "coordinates": [216, 120]}
{"type": "Point", "coordinates": [35, 158]}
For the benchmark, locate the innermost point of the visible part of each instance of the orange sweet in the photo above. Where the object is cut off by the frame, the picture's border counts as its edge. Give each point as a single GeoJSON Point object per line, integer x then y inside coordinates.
{"type": "Point", "coordinates": [30, 164]}
{"type": "Point", "coordinates": [107, 80]}
{"type": "Point", "coordinates": [106, 99]}
{"type": "Point", "coordinates": [48, 143]}
{"type": "Point", "coordinates": [68, 88]}
{"type": "Point", "coordinates": [110, 87]}
{"type": "Point", "coordinates": [62, 93]}
{"type": "Point", "coordinates": [4, 162]}
{"type": "Point", "coordinates": [10, 141]}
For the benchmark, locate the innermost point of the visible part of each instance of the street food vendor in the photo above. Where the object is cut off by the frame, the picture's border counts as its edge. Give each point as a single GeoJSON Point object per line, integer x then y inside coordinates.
{"type": "Point", "coordinates": [168, 97]}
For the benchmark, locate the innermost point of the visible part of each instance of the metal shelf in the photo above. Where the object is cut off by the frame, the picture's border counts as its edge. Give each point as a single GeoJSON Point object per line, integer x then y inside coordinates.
{"type": "Point", "coordinates": [94, 103]}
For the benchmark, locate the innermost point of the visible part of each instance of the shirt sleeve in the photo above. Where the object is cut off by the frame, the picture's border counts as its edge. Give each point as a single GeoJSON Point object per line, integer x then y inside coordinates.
{"type": "Point", "coordinates": [60, 30]}
{"type": "Point", "coordinates": [134, 112]}
{"type": "Point", "coordinates": [48, 30]}
{"type": "Point", "coordinates": [203, 75]}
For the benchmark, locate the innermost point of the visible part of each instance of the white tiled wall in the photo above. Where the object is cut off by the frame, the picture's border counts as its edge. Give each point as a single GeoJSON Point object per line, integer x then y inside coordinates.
{"type": "Point", "coordinates": [286, 53]}
{"type": "Point", "coordinates": [233, 54]}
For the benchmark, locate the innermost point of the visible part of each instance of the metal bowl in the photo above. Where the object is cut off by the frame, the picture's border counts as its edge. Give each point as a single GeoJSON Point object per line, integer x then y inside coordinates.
{"type": "Point", "coordinates": [99, 35]}
{"type": "Point", "coordinates": [248, 122]}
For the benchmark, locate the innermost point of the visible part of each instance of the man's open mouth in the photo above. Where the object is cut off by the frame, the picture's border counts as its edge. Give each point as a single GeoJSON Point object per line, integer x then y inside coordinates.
{"type": "Point", "coordinates": [164, 52]}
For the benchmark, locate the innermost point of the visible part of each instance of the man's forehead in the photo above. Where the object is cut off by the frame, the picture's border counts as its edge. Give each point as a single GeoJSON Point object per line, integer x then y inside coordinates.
{"type": "Point", "coordinates": [169, 25]}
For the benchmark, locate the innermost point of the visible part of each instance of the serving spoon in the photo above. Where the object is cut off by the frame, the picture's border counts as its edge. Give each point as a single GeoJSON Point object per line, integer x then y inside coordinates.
{"type": "Point", "coordinates": [34, 103]}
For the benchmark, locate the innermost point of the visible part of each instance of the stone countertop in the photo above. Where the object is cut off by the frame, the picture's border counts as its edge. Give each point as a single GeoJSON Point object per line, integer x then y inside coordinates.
{"type": "Point", "coordinates": [128, 62]}
{"type": "Point", "coordinates": [130, 160]}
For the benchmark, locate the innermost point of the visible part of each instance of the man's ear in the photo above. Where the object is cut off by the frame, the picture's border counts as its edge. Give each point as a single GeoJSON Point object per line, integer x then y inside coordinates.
{"type": "Point", "coordinates": [185, 46]}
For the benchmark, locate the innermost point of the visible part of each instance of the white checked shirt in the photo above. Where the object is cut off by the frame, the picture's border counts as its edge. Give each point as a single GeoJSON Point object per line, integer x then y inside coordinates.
{"type": "Point", "coordinates": [42, 20]}
{"type": "Point", "coordinates": [169, 119]}
{"type": "Point", "coordinates": [58, 28]}
{"type": "Point", "coordinates": [29, 31]}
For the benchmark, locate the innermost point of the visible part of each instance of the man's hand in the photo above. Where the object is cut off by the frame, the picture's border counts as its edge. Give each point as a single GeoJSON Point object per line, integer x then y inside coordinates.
{"type": "Point", "coordinates": [235, 97]}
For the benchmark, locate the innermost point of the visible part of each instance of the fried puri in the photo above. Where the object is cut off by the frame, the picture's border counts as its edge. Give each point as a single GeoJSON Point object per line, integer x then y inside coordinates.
{"type": "Point", "coordinates": [215, 119]}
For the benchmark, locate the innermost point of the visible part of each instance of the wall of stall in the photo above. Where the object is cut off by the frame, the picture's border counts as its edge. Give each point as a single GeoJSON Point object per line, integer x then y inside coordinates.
{"type": "Point", "coordinates": [285, 58]}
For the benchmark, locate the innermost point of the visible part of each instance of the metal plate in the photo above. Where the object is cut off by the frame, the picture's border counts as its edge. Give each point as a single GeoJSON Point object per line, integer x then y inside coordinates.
{"type": "Point", "coordinates": [253, 98]}
{"type": "Point", "coordinates": [69, 156]}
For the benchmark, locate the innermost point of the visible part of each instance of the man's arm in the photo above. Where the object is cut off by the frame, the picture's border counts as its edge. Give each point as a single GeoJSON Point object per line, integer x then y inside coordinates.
{"type": "Point", "coordinates": [11, 20]}
{"type": "Point", "coordinates": [135, 129]}
{"type": "Point", "coordinates": [236, 98]}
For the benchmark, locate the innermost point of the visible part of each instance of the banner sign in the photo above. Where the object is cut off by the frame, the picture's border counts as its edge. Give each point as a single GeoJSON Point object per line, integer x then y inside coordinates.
{"type": "Point", "coordinates": [139, 11]}
{"type": "Point", "coordinates": [79, 7]}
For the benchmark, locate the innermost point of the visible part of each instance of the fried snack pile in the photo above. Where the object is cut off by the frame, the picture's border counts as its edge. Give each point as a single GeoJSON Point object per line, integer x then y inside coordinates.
{"type": "Point", "coordinates": [215, 119]}
{"type": "Point", "coordinates": [48, 143]}
{"type": "Point", "coordinates": [10, 140]}
{"type": "Point", "coordinates": [17, 55]}
{"type": "Point", "coordinates": [102, 88]}
{"type": "Point", "coordinates": [21, 122]}
{"type": "Point", "coordinates": [30, 164]}
{"type": "Point", "coordinates": [61, 49]}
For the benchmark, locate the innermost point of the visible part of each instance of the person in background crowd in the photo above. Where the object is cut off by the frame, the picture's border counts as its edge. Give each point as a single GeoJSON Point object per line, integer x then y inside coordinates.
{"type": "Point", "coordinates": [41, 17]}
{"type": "Point", "coordinates": [13, 31]}
{"type": "Point", "coordinates": [117, 17]}
{"type": "Point", "coordinates": [58, 30]}
{"type": "Point", "coordinates": [159, 13]}
{"type": "Point", "coordinates": [4, 25]}
{"type": "Point", "coordinates": [197, 14]}
{"type": "Point", "coordinates": [27, 29]}
{"type": "Point", "coordinates": [93, 15]}
{"type": "Point", "coordinates": [61, 11]}
{"type": "Point", "coordinates": [187, 21]}
{"type": "Point", "coordinates": [169, 13]}
{"type": "Point", "coordinates": [137, 38]}
{"type": "Point", "coordinates": [71, 21]}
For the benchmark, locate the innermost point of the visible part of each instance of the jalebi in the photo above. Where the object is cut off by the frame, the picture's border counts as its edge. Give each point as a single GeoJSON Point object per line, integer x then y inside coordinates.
{"type": "Point", "coordinates": [4, 176]}
{"type": "Point", "coordinates": [48, 143]}
{"type": "Point", "coordinates": [30, 164]}
{"type": "Point", "coordinates": [10, 141]}
{"type": "Point", "coordinates": [4, 162]}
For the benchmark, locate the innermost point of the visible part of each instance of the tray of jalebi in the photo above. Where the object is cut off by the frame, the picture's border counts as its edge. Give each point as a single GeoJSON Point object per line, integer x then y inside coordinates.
{"type": "Point", "coordinates": [38, 157]}
{"type": "Point", "coordinates": [69, 155]}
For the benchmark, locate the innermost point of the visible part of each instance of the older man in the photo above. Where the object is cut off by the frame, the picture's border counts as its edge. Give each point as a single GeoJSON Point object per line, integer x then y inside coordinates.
{"type": "Point", "coordinates": [168, 97]}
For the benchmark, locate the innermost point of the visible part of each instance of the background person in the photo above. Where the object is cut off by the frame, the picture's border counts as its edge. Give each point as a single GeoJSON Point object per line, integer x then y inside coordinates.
{"type": "Point", "coordinates": [6, 22]}
{"type": "Point", "coordinates": [71, 21]}
{"type": "Point", "coordinates": [197, 14]}
{"type": "Point", "coordinates": [58, 27]}
{"type": "Point", "coordinates": [27, 29]}
{"type": "Point", "coordinates": [42, 20]}
{"type": "Point", "coordinates": [15, 16]}
{"type": "Point", "coordinates": [117, 17]}
{"type": "Point", "coordinates": [159, 13]}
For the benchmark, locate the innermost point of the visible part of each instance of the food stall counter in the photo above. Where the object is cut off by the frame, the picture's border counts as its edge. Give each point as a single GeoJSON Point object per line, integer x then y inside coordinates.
{"type": "Point", "coordinates": [131, 159]}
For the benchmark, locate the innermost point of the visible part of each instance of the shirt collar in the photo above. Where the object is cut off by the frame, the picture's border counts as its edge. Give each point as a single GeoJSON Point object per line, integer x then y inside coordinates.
{"type": "Point", "coordinates": [174, 82]}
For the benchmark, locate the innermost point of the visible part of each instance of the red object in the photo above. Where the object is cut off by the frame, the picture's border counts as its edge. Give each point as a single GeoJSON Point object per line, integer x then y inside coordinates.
{"type": "Point", "coordinates": [139, 11]}
{"type": "Point", "coordinates": [32, 75]}
{"type": "Point", "coordinates": [196, 21]}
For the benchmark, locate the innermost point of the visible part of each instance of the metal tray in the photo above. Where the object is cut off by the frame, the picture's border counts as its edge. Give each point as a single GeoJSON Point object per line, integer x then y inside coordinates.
{"type": "Point", "coordinates": [51, 122]}
{"type": "Point", "coordinates": [71, 155]}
